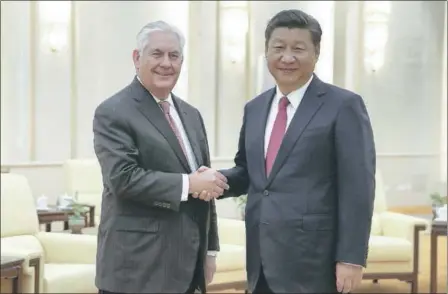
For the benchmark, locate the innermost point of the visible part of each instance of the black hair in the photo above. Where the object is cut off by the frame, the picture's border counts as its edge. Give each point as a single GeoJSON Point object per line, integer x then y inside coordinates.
{"type": "Point", "coordinates": [291, 19]}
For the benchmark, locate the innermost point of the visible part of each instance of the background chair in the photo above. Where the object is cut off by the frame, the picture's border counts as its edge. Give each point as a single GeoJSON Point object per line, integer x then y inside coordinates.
{"type": "Point", "coordinates": [83, 178]}
{"type": "Point", "coordinates": [231, 260]}
{"type": "Point", "coordinates": [54, 262]}
{"type": "Point", "coordinates": [394, 242]}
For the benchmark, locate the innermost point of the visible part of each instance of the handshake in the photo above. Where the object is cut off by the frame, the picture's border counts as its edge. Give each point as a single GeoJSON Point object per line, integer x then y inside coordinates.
{"type": "Point", "coordinates": [207, 183]}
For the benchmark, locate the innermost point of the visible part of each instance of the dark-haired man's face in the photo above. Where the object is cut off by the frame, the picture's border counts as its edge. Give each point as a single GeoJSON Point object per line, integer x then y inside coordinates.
{"type": "Point", "coordinates": [291, 57]}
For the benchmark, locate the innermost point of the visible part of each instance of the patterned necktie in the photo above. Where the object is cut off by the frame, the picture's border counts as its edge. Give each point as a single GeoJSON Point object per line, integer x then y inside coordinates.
{"type": "Point", "coordinates": [278, 131]}
{"type": "Point", "coordinates": [165, 105]}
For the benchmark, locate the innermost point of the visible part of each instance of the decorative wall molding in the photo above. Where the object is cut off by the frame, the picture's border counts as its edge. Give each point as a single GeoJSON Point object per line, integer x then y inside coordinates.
{"type": "Point", "coordinates": [73, 80]}
{"type": "Point", "coordinates": [32, 87]}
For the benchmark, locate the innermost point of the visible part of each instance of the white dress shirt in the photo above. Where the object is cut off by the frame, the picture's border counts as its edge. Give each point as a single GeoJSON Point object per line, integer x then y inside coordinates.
{"type": "Point", "coordinates": [295, 97]}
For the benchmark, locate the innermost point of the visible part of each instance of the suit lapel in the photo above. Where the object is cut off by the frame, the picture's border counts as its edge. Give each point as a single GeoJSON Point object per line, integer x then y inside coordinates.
{"type": "Point", "coordinates": [264, 112]}
{"type": "Point", "coordinates": [151, 110]}
{"type": "Point", "coordinates": [189, 121]}
{"type": "Point", "coordinates": [310, 104]}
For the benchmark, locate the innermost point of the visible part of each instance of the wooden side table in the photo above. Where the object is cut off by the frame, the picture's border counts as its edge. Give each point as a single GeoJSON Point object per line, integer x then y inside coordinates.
{"type": "Point", "coordinates": [12, 270]}
{"type": "Point", "coordinates": [55, 214]}
{"type": "Point", "coordinates": [438, 228]}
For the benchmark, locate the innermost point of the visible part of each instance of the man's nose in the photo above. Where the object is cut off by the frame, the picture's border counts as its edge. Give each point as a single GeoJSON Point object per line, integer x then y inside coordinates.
{"type": "Point", "coordinates": [288, 58]}
{"type": "Point", "coordinates": [166, 62]}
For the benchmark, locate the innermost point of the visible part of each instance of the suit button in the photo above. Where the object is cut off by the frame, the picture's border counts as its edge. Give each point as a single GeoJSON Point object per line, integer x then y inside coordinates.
{"type": "Point", "coordinates": [266, 193]}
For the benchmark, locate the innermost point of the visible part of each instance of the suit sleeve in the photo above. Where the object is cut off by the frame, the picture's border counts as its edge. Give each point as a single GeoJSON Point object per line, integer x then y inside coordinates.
{"type": "Point", "coordinates": [213, 238]}
{"type": "Point", "coordinates": [118, 156]}
{"type": "Point", "coordinates": [237, 176]}
{"type": "Point", "coordinates": [356, 165]}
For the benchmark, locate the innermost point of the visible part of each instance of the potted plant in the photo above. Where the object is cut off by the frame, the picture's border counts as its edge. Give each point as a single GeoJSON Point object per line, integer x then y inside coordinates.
{"type": "Point", "coordinates": [438, 202]}
{"type": "Point", "coordinates": [76, 219]}
{"type": "Point", "coordinates": [241, 203]}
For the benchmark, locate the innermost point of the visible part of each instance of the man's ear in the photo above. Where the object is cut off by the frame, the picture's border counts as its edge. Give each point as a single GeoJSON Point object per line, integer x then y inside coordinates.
{"type": "Point", "coordinates": [136, 58]}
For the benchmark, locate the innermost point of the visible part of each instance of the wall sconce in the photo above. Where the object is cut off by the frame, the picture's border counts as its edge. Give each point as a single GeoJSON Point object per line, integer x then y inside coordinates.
{"type": "Point", "coordinates": [234, 27]}
{"type": "Point", "coordinates": [54, 18]}
{"type": "Point", "coordinates": [376, 19]}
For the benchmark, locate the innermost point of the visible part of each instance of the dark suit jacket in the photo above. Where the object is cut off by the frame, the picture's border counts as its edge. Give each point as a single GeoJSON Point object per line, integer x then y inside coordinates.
{"type": "Point", "coordinates": [148, 241]}
{"type": "Point", "coordinates": [315, 208]}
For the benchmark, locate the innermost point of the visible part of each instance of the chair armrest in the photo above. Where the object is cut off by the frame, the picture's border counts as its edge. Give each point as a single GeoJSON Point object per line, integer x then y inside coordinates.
{"type": "Point", "coordinates": [25, 246]}
{"type": "Point", "coordinates": [26, 255]}
{"type": "Point", "coordinates": [401, 225]}
{"type": "Point", "coordinates": [68, 248]}
{"type": "Point", "coordinates": [231, 231]}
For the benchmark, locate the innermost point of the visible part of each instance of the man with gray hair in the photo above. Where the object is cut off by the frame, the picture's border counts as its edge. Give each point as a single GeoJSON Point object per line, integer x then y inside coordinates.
{"type": "Point", "coordinates": [153, 236]}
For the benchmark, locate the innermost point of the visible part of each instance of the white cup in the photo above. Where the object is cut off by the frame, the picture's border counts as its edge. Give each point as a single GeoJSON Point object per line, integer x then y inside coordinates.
{"type": "Point", "coordinates": [42, 202]}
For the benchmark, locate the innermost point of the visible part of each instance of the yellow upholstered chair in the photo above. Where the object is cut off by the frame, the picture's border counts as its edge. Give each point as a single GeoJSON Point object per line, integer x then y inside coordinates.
{"type": "Point", "coordinates": [83, 178]}
{"type": "Point", "coordinates": [394, 240]}
{"type": "Point", "coordinates": [54, 262]}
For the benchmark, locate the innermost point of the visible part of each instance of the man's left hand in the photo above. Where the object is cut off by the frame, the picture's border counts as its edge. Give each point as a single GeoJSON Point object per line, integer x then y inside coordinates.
{"type": "Point", "coordinates": [209, 268]}
{"type": "Point", "coordinates": [348, 277]}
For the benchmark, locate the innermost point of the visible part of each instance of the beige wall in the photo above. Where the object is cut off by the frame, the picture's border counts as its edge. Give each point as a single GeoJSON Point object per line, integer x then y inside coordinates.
{"type": "Point", "coordinates": [48, 98]}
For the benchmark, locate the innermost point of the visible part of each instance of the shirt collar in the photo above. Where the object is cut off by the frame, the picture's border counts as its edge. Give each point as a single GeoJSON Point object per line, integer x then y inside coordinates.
{"type": "Point", "coordinates": [295, 97]}
{"type": "Point", "coordinates": [169, 99]}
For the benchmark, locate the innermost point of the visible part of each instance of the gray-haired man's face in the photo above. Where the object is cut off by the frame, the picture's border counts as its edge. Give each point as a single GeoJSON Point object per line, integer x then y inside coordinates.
{"type": "Point", "coordinates": [159, 65]}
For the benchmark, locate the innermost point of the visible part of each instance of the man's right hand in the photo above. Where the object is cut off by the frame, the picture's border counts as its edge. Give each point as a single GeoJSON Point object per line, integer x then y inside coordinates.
{"type": "Point", "coordinates": [209, 181]}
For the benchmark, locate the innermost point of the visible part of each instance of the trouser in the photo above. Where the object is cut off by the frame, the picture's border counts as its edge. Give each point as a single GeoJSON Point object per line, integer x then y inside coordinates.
{"type": "Point", "coordinates": [262, 286]}
{"type": "Point", "coordinates": [191, 290]}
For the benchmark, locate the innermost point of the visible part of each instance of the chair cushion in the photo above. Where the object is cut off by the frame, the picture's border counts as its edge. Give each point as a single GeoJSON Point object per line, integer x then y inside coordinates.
{"type": "Point", "coordinates": [383, 248]}
{"type": "Point", "coordinates": [18, 209]}
{"type": "Point", "coordinates": [231, 258]}
{"type": "Point", "coordinates": [376, 229]}
{"type": "Point", "coordinates": [69, 278]}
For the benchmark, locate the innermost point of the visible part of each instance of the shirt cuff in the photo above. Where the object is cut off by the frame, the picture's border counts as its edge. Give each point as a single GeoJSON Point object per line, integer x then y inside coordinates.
{"type": "Point", "coordinates": [212, 253]}
{"type": "Point", "coordinates": [185, 188]}
{"type": "Point", "coordinates": [351, 264]}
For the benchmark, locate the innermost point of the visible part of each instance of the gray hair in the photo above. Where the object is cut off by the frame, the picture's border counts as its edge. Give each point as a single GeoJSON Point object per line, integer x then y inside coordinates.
{"type": "Point", "coordinates": [143, 35]}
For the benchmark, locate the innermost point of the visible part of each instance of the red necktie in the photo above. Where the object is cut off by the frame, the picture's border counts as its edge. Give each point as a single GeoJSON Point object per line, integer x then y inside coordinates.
{"type": "Point", "coordinates": [165, 105]}
{"type": "Point", "coordinates": [278, 131]}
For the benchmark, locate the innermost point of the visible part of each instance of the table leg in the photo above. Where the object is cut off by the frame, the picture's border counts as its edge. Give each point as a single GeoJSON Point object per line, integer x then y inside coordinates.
{"type": "Point", "coordinates": [92, 216]}
{"type": "Point", "coordinates": [35, 263]}
{"type": "Point", "coordinates": [433, 264]}
{"type": "Point", "coordinates": [17, 281]}
{"type": "Point", "coordinates": [15, 285]}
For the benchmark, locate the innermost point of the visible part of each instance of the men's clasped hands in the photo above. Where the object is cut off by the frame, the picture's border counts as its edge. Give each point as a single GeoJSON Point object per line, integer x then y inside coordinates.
{"type": "Point", "coordinates": [207, 184]}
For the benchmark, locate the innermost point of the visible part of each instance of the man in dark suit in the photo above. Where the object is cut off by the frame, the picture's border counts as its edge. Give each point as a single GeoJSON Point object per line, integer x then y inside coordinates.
{"type": "Point", "coordinates": [153, 236]}
{"type": "Point", "coordinates": [306, 158]}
